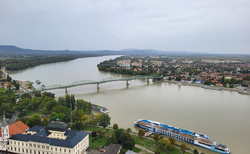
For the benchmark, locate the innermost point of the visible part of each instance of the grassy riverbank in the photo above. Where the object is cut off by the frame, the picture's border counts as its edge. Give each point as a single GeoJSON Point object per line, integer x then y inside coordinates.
{"type": "Point", "coordinates": [142, 144]}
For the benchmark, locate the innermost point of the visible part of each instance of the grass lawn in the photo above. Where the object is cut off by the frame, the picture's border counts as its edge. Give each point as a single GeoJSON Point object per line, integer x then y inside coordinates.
{"type": "Point", "coordinates": [2, 90]}
{"type": "Point", "coordinates": [95, 142]}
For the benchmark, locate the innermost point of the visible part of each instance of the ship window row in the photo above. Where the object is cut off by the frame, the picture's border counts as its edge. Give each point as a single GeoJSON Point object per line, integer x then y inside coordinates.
{"type": "Point", "coordinates": [175, 136]}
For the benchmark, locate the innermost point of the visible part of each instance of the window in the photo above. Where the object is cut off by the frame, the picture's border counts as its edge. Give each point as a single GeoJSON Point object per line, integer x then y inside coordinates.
{"type": "Point", "coordinates": [38, 146]}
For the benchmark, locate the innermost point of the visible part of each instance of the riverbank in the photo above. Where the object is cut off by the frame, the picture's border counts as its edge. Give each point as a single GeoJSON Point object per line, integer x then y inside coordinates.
{"type": "Point", "coordinates": [237, 89]}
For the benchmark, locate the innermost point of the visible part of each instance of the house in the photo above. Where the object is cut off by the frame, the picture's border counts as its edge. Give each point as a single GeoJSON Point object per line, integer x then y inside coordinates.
{"type": "Point", "coordinates": [112, 149]}
{"type": "Point", "coordinates": [219, 84]}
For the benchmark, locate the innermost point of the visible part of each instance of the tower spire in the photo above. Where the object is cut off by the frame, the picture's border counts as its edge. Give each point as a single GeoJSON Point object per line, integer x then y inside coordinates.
{"type": "Point", "coordinates": [4, 120]}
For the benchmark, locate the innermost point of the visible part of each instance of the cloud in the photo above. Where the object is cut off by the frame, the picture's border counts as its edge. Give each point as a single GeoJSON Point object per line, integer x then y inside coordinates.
{"type": "Point", "coordinates": [188, 25]}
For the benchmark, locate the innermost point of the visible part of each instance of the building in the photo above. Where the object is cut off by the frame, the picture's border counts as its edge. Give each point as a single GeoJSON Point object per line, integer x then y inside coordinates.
{"type": "Point", "coordinates": [56, 138]}
{"type": "Point", "coordinates": [124, 63]}
{"type": "Point", "coordinates": [7, 131]}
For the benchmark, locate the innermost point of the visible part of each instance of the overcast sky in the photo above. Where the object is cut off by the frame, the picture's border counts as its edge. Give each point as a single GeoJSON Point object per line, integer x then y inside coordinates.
{"type": "Point", "coordinates": [214, 26]}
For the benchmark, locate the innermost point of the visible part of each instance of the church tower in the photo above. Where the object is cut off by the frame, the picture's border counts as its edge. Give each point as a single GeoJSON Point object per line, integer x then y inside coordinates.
{"type": "Point", "coordinates": [5, 129]}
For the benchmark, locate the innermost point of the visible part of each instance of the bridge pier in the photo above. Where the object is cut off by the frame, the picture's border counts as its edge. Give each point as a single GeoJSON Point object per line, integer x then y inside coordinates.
{"type": "Point", "coordinates": [147, 81]}
{"type": "Point", "coordinates": [98, 86]}
{"type": "Point", "coordinates": [127, 84]}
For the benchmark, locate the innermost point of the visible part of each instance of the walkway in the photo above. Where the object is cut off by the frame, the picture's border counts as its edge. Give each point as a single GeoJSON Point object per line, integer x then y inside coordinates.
{"type": "Point", "coordinates": [143, 148]}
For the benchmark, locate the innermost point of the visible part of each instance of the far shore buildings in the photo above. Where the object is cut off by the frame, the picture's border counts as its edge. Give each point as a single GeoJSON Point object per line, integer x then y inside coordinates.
{"type": "Point", "coordinates": [124, 63]}
{"type": "Point", "coordinates": [56, 138]}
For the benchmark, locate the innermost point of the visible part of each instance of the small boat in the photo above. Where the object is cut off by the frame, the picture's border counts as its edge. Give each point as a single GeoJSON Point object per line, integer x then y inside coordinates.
{"type": "Point", "coordinates": [99, 108]}
{"type": "Point", "coordinates": [38, 81]}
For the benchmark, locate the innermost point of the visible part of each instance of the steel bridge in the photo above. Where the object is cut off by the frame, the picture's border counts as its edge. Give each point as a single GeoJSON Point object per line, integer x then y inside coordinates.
{"type": "Point", "coordinates": [87, 82]}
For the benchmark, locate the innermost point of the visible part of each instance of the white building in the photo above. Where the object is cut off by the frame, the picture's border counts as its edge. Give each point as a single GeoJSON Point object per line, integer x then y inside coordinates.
{"type": "Point", "coordinates": [56, 138]}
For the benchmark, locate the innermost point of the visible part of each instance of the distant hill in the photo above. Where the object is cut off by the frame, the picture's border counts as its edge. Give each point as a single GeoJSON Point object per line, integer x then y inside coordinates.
{"type": "Point", "coordinates": [8, 50]}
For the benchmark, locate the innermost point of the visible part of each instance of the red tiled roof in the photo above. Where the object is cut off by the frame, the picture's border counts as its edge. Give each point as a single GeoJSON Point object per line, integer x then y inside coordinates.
{"type": "Point", "coordinates": [16, 128]}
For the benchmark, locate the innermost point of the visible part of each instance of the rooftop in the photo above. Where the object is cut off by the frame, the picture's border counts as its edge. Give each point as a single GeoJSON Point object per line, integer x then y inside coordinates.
{"type": "Point", "coordinates": [73, 137]}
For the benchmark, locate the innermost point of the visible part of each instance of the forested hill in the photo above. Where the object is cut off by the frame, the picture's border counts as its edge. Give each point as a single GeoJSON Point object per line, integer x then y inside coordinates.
{"type": "Point", "coordinates": [6, 50]}
{"type": "Point", "coordinates": [14, 51]}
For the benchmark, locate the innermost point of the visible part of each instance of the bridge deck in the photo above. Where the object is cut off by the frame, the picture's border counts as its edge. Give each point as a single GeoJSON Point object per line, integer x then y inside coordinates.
{"type": "Point", "coordinates": [87, 82]}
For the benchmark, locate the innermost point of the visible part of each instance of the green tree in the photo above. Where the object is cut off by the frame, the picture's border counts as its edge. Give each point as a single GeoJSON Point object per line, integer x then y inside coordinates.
{"type": "Point", "coordinates": [37, 93]}
{"type": "Point", "coordinates": [34, 120]}
{"type": "Point", "coordinates": [63, 109]}
{"type": "Point", "coordinates": [72, 101]}
{"type": "Point", "coordinates": [9, 78]}
{"type": "Point", "coordinates": [48, 94]}
{"type": "Point", "coordinates": [178, 78]}
{"type": "Point", "coordinates": [115, 126]}
{"type": "Point", "coordinates": [35, 103]}
{"type": "Point", "coordinates": [45, 121]}
{"type": "Point", "coordinates": [104, 120]}
{"type": "Point", "coordinates": [141, 133]}
{"type": "Point", "coordinates": [67, 101]}
{"type": "Point", "coordinates": [183, 147]}
{"type": "Point", "coordinates": [53, 116]}
{"type": "Point", "coordinates": [247, 78]}
{"type": "Point", "coordinates": [164, 144]}
{"type": "Point", "coordinates": [195, 151]}
{"type": "Point", "coordinates": [86, 106]}
{"type": "Point", "coordinates": [113, 139]}
{"type": "Point", "coordinates": [118, 134]}
{"type": "Point", "coordinates": [128, 130]}
{"type": "Point", "coordinates": [101, 132]}
{"type": "Point", "coordinates": [127, 141]}
{"type": "Point", "coordinates": [156, 137]}
{"type": "Point", "coordinates": [172, 140]}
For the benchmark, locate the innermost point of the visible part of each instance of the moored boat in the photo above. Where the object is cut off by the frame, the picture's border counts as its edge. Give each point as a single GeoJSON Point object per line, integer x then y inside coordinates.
{"type": "Point", "coordinates": [191, 137]}
{"type": "Point", "coordinates": [99, 108]}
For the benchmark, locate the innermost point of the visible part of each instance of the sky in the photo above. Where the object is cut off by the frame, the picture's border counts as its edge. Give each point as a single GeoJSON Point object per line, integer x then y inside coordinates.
{"type": "Point", "coordinates": [209, 26]}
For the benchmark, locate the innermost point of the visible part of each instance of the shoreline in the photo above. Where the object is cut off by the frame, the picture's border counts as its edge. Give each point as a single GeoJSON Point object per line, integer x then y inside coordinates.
{"type": "Point", "coordinates": [202, 85]}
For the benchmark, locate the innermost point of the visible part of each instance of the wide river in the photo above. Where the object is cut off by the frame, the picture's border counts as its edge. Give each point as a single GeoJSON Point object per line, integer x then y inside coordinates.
{"type": "Point", "coordinates": [222, 115]}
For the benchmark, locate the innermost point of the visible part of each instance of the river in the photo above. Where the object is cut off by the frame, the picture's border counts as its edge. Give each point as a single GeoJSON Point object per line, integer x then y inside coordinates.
{"type": "Point", "coordinates": [222, 115]}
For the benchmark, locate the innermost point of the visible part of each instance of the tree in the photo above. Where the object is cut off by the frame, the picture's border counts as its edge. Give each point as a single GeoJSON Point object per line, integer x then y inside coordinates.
{"type": "Point", "coordinates": [61, 100]}
{"type": "Point", "coordinates": [72, 101]}
{"type": "Point", "coordinates": [101, 132]}
{"type": "Point", "coordinates": [128, 130]}
{"type": "Point", "coordinates": [195, 151]}
{"type": "Point", "coordinates": [118, 134]}
{"type": "Point", "coordinates": [34, 120]}
{"type": "Point", "coordinates": [165, 144]}
{"type": "Point", "coordinates": [45, 121]}
{"type": "Point", "coordinates": [48, 94]}
{"type": "Point", "coordinates": [172, 140]}
{"type": "Point", "coordinates": [156, 137]}
{"type": "Point", "coordinates": [127, 141]}
{"type": "Point", "coordinates": [37, 93]}
{"type": "Point", "coordinates": [183, 147]}
{"type": "Point", "coordinates": [86, 106]}
{"type": "Point", "coordinates": [94, 134]}
{"type": "Point", "coordinates": [178, 78]}
{"type": "Point", "coordinates": [113, 139]}
{"type": "Point", "coordinates": [62, 109]}
{"type": "Point", "coordinates": [104, 120]}
{"type": "Point", "coordinates": [247, 77]}
{"type": "Point", "coordinates": [9, 78]}
{"type": "Point", "coordinates": [141, 133]}
{"type": "Point", "coordinates": [115, 126]}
